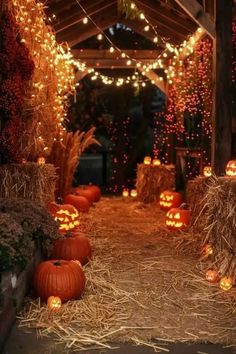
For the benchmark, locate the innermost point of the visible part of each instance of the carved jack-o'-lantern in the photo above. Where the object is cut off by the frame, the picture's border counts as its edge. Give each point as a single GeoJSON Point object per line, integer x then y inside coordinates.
{"type": "Point", "coordinates": [231, 168]}
{"type": "Point", "coordinates": [207, 250]}
{"type": "Point", "coordinates": [170, 199]}
{"type": "Point", "coordinates": [212, 276]}
{"type": "Point", "coordinates": [147, 160]}
{"type": "Point", "coordinates": [207, 171]}
{"type": "Point", "coordinates": [41, 160]}
{"type": "Point", "coordinates": [177, 219]}
{"type": "Point", "coordinates": [54, 303]}
{"type": "Point", "coordinates": [125, 193]}
{"type": "Point", "coordinates": [133, 193]}
{"type": "Point", "coordinates": [67, 216]}
{"type": "Point", "coordinates": [226, 283]}
{"type": "Point", "coordinates": [156, 162]}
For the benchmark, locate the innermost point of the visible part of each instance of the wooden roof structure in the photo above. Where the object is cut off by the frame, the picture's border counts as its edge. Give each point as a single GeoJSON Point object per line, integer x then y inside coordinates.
{"type": "Point", "coordinates": [175, 20]}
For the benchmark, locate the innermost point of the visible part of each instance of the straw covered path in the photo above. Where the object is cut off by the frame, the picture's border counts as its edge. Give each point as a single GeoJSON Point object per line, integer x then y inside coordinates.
{"type": "Point", "coordinates": [145, 284]}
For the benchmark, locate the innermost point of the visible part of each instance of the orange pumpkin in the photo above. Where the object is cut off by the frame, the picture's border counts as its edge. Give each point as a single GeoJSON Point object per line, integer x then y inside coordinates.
{"type": "Point", "coordinates": [84, 191]}
{"type": "Point", "coordinates": [147, 160]}
{"type": "Point", "coordinates": [61, 278]}
{"type": "Point", "coordinates": [231, 168]}
{"type": "Point", "coordinates": [207, 171]}
{"type": "Point", "coordinates": [177, 218]}
{"type": "Point", "coordinates": [170, 199]}
{"type": "Point", "coordinates": [66, 215]}
{"type": "Point", "coordinates": [54, 303]}
{"type": "Point", "coordinates": [226, 283]}
{"type": "Point", "coordinates": [96, 192]}
{"type": "Point", "coordinates": [212, 276]}
{"type": "Point", "coordinates": [73, 247]}
{"type": "Point", "coordinates": [79, 202]}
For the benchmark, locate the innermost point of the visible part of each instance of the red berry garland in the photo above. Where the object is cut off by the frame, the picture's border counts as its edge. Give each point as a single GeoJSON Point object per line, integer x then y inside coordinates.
{"type": "Point", "coordinates": [16, 69]}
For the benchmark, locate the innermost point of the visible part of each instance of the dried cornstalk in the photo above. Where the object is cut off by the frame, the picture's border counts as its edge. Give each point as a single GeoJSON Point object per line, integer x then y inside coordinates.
{"type": "Point", "coordinates": [65, 156]}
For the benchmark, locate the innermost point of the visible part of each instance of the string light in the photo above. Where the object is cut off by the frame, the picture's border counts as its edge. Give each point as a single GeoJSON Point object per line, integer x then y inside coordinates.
{"type": "Point", "coordinates": [85, 20]}
{"type": "Point", "coordinates": [100, 36]}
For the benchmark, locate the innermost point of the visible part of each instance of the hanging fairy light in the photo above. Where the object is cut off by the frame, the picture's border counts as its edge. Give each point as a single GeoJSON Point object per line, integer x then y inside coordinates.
{"type": "Point", "coordinates": [100, 36]}
{"type": "Point", "coordinates": [85, 20]}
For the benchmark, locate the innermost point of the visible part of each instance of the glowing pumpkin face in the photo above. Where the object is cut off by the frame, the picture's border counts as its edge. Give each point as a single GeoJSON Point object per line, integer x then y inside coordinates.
{"type": "Point", "coordinates": [207, 250]}
{"type": "Point", "coordinates": [125, 193]}
{"type": "Point", "coordinates": [133, 193]}
{"type": "Point", "coordinates": [54, 303]}
{"type": "Point", "coordinates": [169, 199]}
{"type": "Point", "coordinates": [177, 219]}
{"type": "Point", "coordinates": [207, 171]}
{"type": "Point", "coordinates": [231, 168]}
{"type": "Point", "coordinates": [156, 162]}
{"type": "Point", "coordinates": [147, 160]}
{"type": "Point", "coordinates": [41, 160]}
{"type": "Point", "coordinates": [66, 215]}
{"type": "Point", "coordinates": [212, 276]}
{"type": "Point", "coordinates": [226, 283]}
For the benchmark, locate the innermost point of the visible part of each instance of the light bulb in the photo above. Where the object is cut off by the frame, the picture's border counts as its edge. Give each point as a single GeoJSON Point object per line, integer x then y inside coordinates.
{"type": "Point", "coordinates": [142, 16]}
{"type": "Point", "coordinates": [155, 39]}
{"type": "Point", "coordinates": [146, 28]}
{"type": "Point", "coordinates": [111, 49]}
{"type": "Point", "coordinates": [85, 20]}
{"type": "Point", "coordinates": [99, 36]}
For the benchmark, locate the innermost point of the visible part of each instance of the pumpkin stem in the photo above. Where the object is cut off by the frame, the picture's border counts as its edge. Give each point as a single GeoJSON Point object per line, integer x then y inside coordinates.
{"type": "Point", "coordinates": [183, 206]}
{"type": "Point", "coordinates": [56, 263]}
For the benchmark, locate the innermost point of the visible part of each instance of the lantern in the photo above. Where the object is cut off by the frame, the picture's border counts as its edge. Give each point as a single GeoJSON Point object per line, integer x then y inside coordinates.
{"type": "Point", "coordinates": [67, 216]}
{"type": "Point", "coordinates": [226, 283]}
{"type": "Point", "coordinates": [177, 218]}
{"type": "Point", "coordinates": [41, 160]}
{"type": "Point", "coordinates": [231, 168]}
{"type": "Point", "coordinates": [207, 171]}
{"type": "Point", "coordinates": [212, 276]}
{"type": "Point", "coordinates": [156, 162]}
{"type": "Point", "coordinates": [125, 193]}
{"type": "Point", "coordinates": [54, 303]}
{"type": "Point", "coordinates": [133, 193]}
{"type": "Point", "coordinates": [147, 160]}
{"type": "Point", "coordinates": [170, 199]}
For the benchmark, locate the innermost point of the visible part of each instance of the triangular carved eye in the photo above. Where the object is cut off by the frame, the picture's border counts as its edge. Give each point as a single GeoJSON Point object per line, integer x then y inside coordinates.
{"type": "Point", "coordinates": [177, 216]}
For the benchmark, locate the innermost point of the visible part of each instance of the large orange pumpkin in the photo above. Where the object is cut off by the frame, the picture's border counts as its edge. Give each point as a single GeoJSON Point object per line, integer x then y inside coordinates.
{"type": "Point", "coordinates": [170, 199]}
{"type": "Point", "coordinates": [79, 202]}
{"type": "Point", "coordinates": [177, 218]}
{"type": "Point", "coordinates": [84, 191]}
{"type": "Point", "coordinates": [61, 278]}
{"type": "Point", "coordinates": [66, 215]}
{"type": "Point", "coordinates": [96, 192]}
{"type": "Point", "coordinates": [74, 247]}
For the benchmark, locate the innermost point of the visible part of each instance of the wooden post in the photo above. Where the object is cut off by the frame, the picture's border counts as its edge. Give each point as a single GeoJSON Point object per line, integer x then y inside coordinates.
{"type": "Point", "coordinates": [222, 95]}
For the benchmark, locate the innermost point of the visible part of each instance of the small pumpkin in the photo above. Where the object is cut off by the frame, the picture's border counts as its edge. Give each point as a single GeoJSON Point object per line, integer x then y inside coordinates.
{"type": "Point", "coordinates": [133, 193]}
{"type": "Point", "coordinates": [178, 218]}
{"type": "Point", "coordinates": [156, 162]}
{"type": "Point", "coordinates": [79, 202]}
{"type": "Point", "coordinates": [207, 172]}
{"type": "Point", "coordinates": [73, 247]}
{"type": "Point", "coordinates": [64, 278]}
{"type": "Point", "coordinates": [170, 199]}
{"type": "Point", "coordinates": [226, 283]}
{"type": "Point", "coordinates": [125, 193]}
{"type": "Point", "coordinates": [96, 192]}
{"type": "Point", "coordinates": [212, 276]}
{"type": "Point", "coordinates": [66, 215]}
{"type": "Point", "coordinates": [54, 303]}
{"type": "Point", "coordinates": [231, 168]}
{"type": "Point", "coordinates": [147, 160]}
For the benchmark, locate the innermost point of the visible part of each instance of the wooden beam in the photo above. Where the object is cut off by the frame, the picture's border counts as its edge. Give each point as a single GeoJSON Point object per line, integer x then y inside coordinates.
{"type": "Point", "coordinates": [138, 27]}
{"type": "Point", "coordinates": [196, 12]}
{"type": "Point", "coordinates": [76, 16]}
{"type": "Point", "coordinates": [156, 81]}
{"type": "Point", "coordinates": [169, 16]}
{"type": "Point", "coordinates": [222, 98]}
{"type": "Point", "coordinates": [98, 54]}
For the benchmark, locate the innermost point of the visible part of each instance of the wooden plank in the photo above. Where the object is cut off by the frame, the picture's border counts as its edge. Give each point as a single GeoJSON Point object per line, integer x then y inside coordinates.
{"type": "Point", "coordinates": [76, 16]}
{"type": "Point", "coordinates": [168, 16]}
{"type": "Point", "coordinates": [196, 12]}
{"type": "Point", "coordinates": [161, 84]}
{"type": "Point", "coordinates": [222, 98]}
{"type": "Point", "coordinates": [97, 54]}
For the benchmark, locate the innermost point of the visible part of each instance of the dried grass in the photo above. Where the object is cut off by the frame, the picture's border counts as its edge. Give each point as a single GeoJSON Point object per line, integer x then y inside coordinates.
{"type": "Point", "coordinates": [220, 224]}
{"type": "Point", "coordinates": [30, 181]}
{"type": "Point", "coordinates": [141, 287]}
{"type": "Point", "coordinates": [65, 156]}
{"type": "Point", "coordinates": [152, 180]}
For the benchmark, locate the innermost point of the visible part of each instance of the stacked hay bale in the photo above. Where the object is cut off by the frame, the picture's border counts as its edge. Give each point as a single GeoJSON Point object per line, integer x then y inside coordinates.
{"type": "Point", "coordinates": [29, 181]}
{"type": "Point", "coordinates": [152, 180]}
{"type": "Point", "coordinates": [220, 225]}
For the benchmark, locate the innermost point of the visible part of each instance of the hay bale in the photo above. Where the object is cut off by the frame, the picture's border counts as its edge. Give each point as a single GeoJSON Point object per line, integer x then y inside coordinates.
{"type": "Point", "coordinates": [195, 192]}
{"type": "Point", "coordinates": [220, 224]}
{"type": "Point", "coordinates": [29, 181]}
{"type": "Point", "coordinates": [152, 180]}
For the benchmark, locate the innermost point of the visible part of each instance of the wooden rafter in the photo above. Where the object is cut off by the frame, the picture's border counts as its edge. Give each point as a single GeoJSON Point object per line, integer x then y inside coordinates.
{"type": "Point", "coordinates": [76, 16]}
{"type": "Point", "coordinates": [196, 12]}
{"type": "Point", "coordinates": [156, 81]}
{"type": "Point", "coordinates": [169, 17]}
